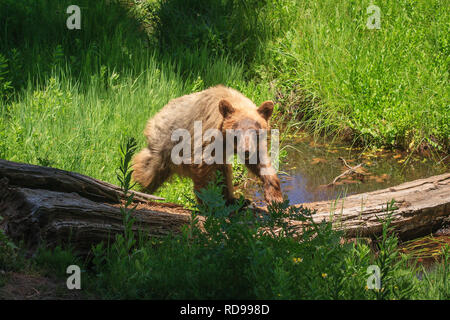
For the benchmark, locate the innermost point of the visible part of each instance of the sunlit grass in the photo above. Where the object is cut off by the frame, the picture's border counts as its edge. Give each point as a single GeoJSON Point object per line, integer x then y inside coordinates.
{"type": "Point", "coordinates": [389, 86]}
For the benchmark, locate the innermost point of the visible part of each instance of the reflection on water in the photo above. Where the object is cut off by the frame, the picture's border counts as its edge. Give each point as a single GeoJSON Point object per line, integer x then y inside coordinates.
{"type": "Point", "coordinates": [309, 167]}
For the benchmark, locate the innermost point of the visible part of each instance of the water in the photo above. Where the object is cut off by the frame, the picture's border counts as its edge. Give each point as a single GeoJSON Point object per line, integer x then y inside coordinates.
{"type": "Point", "coordinates": [310, 166]}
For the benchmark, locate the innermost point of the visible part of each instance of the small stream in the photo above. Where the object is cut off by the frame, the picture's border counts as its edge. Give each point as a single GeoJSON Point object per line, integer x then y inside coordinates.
{"type": "Point", "coordinates": [309, 166]}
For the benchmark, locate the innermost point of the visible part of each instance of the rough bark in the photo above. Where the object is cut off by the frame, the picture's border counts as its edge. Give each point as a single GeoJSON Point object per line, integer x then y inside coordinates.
{"type": "Point", "coordinates": [38, 215]}
{"type": "Point", "coordinates": [45, 204]}
{"type": "Point", "coordinates": [38, 177]}
{"type": "Point", "coordinates": [423, 206]}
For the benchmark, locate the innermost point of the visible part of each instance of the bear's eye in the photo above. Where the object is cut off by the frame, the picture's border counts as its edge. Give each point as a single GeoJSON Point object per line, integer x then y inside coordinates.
{"type": "Point", "coordinates": [246, 124]}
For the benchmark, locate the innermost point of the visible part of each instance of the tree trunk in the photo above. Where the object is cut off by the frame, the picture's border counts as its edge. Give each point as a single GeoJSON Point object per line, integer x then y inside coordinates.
{"type": "Point", "coordinates": [56, 206]}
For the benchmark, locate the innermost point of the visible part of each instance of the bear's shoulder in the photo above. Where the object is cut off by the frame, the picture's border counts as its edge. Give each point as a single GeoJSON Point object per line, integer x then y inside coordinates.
{"type": "Point", "coordinates": [235, 97]}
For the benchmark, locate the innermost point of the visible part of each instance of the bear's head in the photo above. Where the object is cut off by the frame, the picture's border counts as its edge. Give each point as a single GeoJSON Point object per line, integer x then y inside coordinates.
{"type": "Point", "coordinates": [247, 128]}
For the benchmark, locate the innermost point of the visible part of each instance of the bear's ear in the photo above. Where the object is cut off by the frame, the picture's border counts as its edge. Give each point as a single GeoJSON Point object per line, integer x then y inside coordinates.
{"type": "Point", "coordinates": [266, 109]}
{"type": "Point", "coordinates": [225, 108]}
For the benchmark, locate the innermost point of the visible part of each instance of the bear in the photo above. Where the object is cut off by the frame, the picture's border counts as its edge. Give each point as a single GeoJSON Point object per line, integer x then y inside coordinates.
{"type": "Point", "coordinates": [220, 108]}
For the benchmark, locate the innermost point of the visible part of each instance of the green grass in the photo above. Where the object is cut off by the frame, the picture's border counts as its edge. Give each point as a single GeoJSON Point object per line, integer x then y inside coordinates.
{"type": "Point", "coordinates": [388, 86]}
{"type": "Point", "coordinates": [79, 93]}
{"type": "Point", "coordinates": [69, 96]}
{"type": "Point", "coordinates": [235, 259]}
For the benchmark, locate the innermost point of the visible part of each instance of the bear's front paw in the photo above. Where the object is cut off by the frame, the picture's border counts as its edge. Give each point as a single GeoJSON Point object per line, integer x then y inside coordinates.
{"type": "Point", "coordinates": [273, 196]}
{"type": "Point", "coordinates": [272, 189]}
{"type": "Point", "coordinates": [273, 193]}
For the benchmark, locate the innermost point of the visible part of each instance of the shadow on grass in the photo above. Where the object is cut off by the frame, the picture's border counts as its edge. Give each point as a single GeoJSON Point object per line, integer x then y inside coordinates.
{"type": "Point", "coordinates": [184, 33]}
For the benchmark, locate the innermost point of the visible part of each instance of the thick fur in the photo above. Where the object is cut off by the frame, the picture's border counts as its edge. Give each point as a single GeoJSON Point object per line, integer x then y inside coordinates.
{"type": "Point", "coordinates": [218, 107]}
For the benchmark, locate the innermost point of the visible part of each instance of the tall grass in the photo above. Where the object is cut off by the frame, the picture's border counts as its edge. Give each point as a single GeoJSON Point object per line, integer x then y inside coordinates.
{"type": "Point", "coordinates": [388, 86]}
{"type": "Point", "coordinates": [79, 92]}
{"type": "Point", "coordinates": [240, 256]}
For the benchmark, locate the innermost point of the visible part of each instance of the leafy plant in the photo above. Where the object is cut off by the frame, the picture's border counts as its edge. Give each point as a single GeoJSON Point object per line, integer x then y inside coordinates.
{"type": "Point", "coordinates": [5, 85]}
{"type": "Point", "coordinates": [124, 176]}
{"type": "Point", "coordinates": [389, 261]}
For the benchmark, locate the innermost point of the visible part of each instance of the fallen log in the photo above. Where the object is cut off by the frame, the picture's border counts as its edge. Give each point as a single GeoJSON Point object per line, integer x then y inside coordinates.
{"type": "Point", "coordinates": [35, 216]}
{"type": "Point", "coordinates": [45, 204]}
{"type": "Point", "coordinates": [32, 176]}
{"type": "Point", "coordinates": [416, 208]}
{"type": "Point", "coordinates": [422, 207]}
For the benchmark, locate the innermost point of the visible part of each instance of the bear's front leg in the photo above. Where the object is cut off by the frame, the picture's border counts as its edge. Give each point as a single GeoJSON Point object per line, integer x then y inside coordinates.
{"type": "Point", "coordinates": [271, 183]}
{"type": "Point", "coordinates": [203, 174]}
{"type": "Point", "coordinates": [227, 172]}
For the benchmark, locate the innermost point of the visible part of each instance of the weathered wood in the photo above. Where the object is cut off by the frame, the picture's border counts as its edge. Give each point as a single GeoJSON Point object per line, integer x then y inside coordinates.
{"type": "Point", "coordinates": [36, 215]}
{"type": "Point", "coordinates": [423, 206]}
{"type": "Point", "coordinates": [51, 205]}
{"type": "Point", "coordinates": [32, 176]}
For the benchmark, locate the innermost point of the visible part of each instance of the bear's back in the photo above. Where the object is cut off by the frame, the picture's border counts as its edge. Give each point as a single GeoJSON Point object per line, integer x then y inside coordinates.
{"type": "Point", "coordinates": [202, 102]}
{"type": "Point", "coordinates": [181, 112]}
